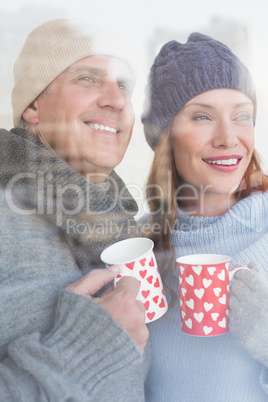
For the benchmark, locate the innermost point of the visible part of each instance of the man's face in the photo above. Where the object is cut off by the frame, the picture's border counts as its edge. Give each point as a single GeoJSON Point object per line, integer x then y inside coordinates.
{"type": "Point", "coordinates": [86, 114]}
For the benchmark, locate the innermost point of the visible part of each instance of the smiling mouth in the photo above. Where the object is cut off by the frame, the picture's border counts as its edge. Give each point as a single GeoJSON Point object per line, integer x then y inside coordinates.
{"type": "Point", "coordinates": [223, 162]}
{"type": "Point", "coordinates": [101, 127]}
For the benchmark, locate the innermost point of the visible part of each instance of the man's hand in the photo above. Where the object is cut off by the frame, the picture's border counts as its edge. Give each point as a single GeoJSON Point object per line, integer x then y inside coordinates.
{"type": "Point", "coordinates": [120, 303]}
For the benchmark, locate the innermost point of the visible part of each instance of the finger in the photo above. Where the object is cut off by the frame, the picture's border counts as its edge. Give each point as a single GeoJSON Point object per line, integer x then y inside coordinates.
{"type": "Point", "coordinates": [255, 265]}
{"type": "Point", "coordinates": [233, 307]}
{"type": "Point", "coordinates": [141, 307]}
{"type": "Point", "coordinates": [91, 283]}
{"type": "Point", "coordinates": [130, 283]}
{"type": "Point", "coordinates": [243, 274]}
{"type": "Point", "coordinates": [239, 290]}
{"type": "Point", "coordinates": [254, 280]}
{"type": "Point", "coordinates": [108, 290]}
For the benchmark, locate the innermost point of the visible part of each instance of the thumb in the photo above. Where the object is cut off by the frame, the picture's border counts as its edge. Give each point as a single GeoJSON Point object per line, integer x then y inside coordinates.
{"type": "Point", "coordinates": [95, 280]}
{"type": "Point", "coordinates": [130, 283]}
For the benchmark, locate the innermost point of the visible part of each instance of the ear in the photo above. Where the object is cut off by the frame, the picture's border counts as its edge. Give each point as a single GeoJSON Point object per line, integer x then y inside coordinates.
{"type": "Point", "coordinates": [31, 113]}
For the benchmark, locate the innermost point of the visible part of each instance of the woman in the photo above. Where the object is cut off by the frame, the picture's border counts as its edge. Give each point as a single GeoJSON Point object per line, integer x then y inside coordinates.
{"type": "Point", "coordinates": [207, 194]}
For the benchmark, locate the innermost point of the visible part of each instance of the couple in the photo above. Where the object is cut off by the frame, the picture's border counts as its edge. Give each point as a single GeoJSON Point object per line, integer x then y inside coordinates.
{"type": "Point", "coordinates": [62, 336]}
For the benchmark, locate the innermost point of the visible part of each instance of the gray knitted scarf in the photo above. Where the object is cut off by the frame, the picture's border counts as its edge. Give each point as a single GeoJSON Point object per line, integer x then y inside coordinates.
{"type": "Point", "coordinates": [90, 216]}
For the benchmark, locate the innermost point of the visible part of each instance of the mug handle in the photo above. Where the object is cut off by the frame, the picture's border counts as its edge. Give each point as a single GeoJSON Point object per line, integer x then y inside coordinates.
{"type": "Point", "coordinates": [118, 277]}
{"type": "Point", "coordinates": [231, 273]}
{"type": "Point", "coordinates": [119, 274]}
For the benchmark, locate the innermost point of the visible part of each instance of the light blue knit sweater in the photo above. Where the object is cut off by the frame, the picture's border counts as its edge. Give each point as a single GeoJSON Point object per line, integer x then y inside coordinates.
{"type": "Point", "coordinates": [186, 368]}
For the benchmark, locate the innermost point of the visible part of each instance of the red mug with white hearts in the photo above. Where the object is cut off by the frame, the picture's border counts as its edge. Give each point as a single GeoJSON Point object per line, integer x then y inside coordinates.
{"type": "Point", "coordinates": [204, 292]}
{"type": "Point", "coordinates": [135, 257]}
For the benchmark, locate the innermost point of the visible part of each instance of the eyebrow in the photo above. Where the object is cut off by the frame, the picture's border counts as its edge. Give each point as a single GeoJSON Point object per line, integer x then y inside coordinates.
{"type": "Point", "coordinates": [237, 105]}
{"type": "Point", "coordinates": [243, 104]}
{"type": "Point", "coordinates": [86, 69]}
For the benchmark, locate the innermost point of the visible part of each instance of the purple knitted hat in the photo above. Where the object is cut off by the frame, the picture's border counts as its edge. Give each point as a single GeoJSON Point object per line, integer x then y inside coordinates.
{"type": "Point", "coordinates": [182, 71]}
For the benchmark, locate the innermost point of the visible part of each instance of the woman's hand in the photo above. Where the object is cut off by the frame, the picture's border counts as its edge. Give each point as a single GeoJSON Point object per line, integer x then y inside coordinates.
{"type": "Point", "coordinates": [248, 315]}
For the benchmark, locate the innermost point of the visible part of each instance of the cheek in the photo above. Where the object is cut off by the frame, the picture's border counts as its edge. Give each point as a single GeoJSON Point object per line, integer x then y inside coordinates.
{"type": "Point", "coordinates": [185, 146]}
{"type": "Point", "coordinates": [50, 111]}
{"type": "Point", "coordinates": [182, 163]}
{"type": "Point", "coordinates": [180, 150]}
{"type": "Point", "coordinates": [129, 116]}
{"type": "Point", "coordinates": [249, 144]}
{"type": "Point", "coordinates": [252, 142]}
{"type": "Point", "coordinates": [247, 138]}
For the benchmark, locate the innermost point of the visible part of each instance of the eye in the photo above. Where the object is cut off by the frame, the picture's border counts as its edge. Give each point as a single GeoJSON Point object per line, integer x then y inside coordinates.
{"type": "Point", "coordinates": [123, 86]}
{"type": "Point", "coordinates": [126, 86]}
{"type": "Point", "coordinates": [87, 78]}
{"type": "Point", "coordinates": [200, 117]}
{"type": "Point", "coordinates": [244, 116]}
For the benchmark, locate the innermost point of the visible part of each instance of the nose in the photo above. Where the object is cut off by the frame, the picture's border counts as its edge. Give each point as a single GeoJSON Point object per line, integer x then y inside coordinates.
{"type": "Point", "coordinates": [225, 136]}
{"type": "Point", "coordinates": [112, 96]}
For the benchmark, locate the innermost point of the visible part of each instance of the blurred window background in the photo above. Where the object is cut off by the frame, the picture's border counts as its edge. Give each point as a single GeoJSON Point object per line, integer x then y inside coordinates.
{"type": "Point", "coordinates": [146, 25]}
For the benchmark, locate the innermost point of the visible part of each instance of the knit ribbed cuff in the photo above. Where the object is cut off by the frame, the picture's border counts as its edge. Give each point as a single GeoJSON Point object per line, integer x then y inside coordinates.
{"type": "Point", "coordinates": [92, 344]}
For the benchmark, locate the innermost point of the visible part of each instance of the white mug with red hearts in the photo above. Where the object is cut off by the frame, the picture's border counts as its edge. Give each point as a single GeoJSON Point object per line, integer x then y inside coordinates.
{"type": "Point", "coordinates": [204, 292]}
{"type": "Point", "coordinates": [135, 257]}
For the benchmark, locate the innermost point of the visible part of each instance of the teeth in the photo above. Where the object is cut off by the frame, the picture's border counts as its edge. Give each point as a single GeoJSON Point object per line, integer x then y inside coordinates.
{"type": "Point", "coordinates": [102, 127]}
{"type": "Point", "coordinates": [225, 162]}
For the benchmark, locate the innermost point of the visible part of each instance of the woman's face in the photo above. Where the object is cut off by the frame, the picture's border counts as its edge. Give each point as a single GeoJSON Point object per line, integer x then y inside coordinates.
{"type": "Point", "coordinates": [212, 139]}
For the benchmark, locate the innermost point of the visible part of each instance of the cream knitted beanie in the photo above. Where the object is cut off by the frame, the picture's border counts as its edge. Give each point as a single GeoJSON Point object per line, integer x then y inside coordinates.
{"type": "Point", "coordinates": [51, 48]}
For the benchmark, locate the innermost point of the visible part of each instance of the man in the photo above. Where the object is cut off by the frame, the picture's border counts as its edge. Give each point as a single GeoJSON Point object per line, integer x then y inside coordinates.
{"type": "Point", "coordinates": [61, 205]}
